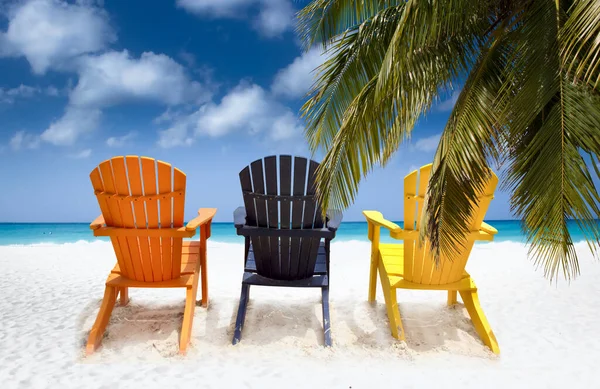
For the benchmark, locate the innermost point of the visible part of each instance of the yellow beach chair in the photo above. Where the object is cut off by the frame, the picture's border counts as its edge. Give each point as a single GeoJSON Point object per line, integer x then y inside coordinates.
{"type": "Point", "coordinates": [145, 226]}
{"type": "Point", "coordinates": [410, 266]}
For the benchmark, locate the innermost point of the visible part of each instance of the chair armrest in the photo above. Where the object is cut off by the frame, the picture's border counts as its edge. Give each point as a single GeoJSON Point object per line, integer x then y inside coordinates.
{"type": "Point", "coordinates": [97, 223]}
{"type": "Point", "coordinates": [377, 219]}
{"type": "Point", "coordinates": [205, 215]}
{"type": "Point", "coordinates": [239, 217]}
{"type": "Point", "coordinates": [334, 219]}
{"type": "Point", "coordinates": [487, 228]}
{"type": "Point", "coordinates": [248, 231]}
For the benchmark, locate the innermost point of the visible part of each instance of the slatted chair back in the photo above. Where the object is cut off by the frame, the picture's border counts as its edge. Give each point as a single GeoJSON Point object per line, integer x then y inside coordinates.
{"type": "Point", "coordinates": [279, 194]}
{"type": "Point", "coordinates": [142, 194]}
{"type": "Point", "coordinates": [419, 266]}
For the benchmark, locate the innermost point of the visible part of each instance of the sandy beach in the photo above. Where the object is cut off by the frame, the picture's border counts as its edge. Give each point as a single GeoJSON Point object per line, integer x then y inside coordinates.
{"type": "Point", "coordinates": [51, 294]}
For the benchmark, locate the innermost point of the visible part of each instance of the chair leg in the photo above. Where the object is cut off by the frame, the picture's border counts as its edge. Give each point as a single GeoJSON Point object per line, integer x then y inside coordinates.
{"type": "Point", "coordinates": [123, 296]}
{"type": "Point", "coordinates": [373, 278]}
{"type": "Point", "coordinates": [391, 305]}
{"type": "Point", "coordinates": [326, 319]}
{"type": "Point", "coordinates": [452, 297]}
{"type": "Point", "coordinates": [204, 274]}
{"type": "Point", "coordinates": [188, 316]}
{"type": "Point", "coordinates": [97, 332]}
{"type": "Point", "coordinates": [480, 322]}
{"type": "Point", "coordinates": [241, 315]}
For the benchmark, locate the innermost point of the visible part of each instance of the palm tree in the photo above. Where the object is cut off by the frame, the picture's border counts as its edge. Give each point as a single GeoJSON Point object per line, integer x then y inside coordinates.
{"type": "Point", "coordinates": [529, 104]}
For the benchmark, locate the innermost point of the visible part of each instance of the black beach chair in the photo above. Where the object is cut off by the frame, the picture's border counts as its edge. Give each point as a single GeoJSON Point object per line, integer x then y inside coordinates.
{"type": "Point", "coordinates": [286, 239]}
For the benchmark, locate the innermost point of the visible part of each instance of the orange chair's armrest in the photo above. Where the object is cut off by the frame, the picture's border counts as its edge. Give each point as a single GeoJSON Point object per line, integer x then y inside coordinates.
{"type": "Point", "coordinates": [205, 215]}
{"type": "Point", "coordinates": [487, 228]}
{"type": "Point", "coordinates": [99, 222]}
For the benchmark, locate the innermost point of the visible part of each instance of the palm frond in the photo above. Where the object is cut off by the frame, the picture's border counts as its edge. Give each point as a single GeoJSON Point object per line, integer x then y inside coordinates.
{"type": "Point", "coordinates": [322, 20]}
{"type": "Point", "coordinates": [532, 70]}
{"type": "Point", "coordinates": [548, 130]}
{"type": "Point", "coordinates": [461, 164]}
{"type": "Point", "coordinates": [355, 58]}
{"type": "Point", "coordinates": [581, 41]}
{"type": "Point", "coordinates": [366, 138]}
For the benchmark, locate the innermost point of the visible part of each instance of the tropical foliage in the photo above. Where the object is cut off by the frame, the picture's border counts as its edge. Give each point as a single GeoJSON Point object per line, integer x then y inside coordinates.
{"type": "Point", "coordinates": [529, 73]}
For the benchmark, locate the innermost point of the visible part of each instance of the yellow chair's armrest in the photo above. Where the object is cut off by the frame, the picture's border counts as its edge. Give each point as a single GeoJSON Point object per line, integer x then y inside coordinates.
{"type": "Point", "coordinates": [377, 219]}
{"type": "Point", "coordinates": [97, 223]}
{"type": "Point", "coordinates": [489, 229]}
{"type": "Point", "coordinates": [205, 215]}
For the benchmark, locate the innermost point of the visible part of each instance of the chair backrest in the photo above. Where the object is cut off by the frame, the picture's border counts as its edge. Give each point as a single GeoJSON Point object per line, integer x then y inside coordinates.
{"type": "Point", "coordinates": [419, 266]}
{"type": "Point", "coordinates": [279, 195]}
{"type": "Point", "coordinates": [129, 197]}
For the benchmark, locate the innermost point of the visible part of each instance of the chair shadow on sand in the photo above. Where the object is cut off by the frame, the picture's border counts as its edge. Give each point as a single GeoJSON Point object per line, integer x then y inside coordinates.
{"type": "Point", "coordinates": [429, 327]}
{"type": "Point", "coordinates": [141, 323]}
{"type": "Point", "coordinates": [267, 323]}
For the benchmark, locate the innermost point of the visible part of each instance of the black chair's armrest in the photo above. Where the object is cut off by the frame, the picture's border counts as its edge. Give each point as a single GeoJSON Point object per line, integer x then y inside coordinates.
{"type": "Point", "coordinates": [292, 233]}
{"type": "Point", "coordinates": [334, 219]}
{"type": "Point", "coordinates": [239, 217]}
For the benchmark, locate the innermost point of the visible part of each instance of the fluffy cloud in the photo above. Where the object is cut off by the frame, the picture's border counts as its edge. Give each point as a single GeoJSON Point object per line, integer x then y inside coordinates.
{"type": "Point", "coordinates": [75, 121]}
{"type": "Point", "coordinates": [274, 16]}
{"type": "Point", "coordinates": [116, 77]}
{"type": "Point", "coordinates": [246, 108]}
{"type": "Point", "coordinates": [24, 140]}
{"type": "Point", "coordinates": [120, 141]}
{"type": "Point", "coordinates": [428, 144]}
{"type": "Point", "coordinates": [73, 37]}
{"type": "Point", "coordinates": [296, 79]}
{"type": "Point", "coordinates": [50, 32]}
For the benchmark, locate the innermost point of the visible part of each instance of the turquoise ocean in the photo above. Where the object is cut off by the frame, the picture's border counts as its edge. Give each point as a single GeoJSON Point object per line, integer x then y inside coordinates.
{"type": "Point", "coordinates": [60, 233]}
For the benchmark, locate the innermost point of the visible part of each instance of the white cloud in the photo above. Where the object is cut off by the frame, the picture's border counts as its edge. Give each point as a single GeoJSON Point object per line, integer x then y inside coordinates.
{"type": "Point", "coordinates": [73, 37]}
{"type": "Point", "coordinates": [115, 77]}
{"type": "Point", "coordinates": [82, 154]}
{"type": "Point", "coordinates": [22, 91]}
{"type": "Point", "coordinates": [286, 126]}
{"type": "Point", "coordinates": [247, 107]}
{"type": "Point", "coordinates": [296, 79]}
{"type": "Point", "coordinates": [9, 95]}
{"type": "Point", "coordinates": [68, 128]}
{"type": "Point", "coordinates": [428, 144]}
{"type": "Point", "coordinates": [274, 16]}
{"type": "Point", "coordinates": [448, 105]}
{"type": "Point", "coordinates": [24, 140]}
{"type": "Point", "coordinates": [120, 141]}
{"type": "Point", "coordinates": [176, 135]}
{"type": "Point", "coordinates": [50, 32]}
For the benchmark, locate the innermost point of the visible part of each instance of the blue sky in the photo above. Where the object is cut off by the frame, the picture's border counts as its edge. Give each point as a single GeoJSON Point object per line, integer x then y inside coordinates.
{"type": "Point", "coordinates": [206, 85]}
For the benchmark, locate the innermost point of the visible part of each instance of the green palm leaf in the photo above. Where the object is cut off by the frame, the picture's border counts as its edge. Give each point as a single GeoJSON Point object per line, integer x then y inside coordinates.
{"type": "Point", "coordinates": [530, 101]}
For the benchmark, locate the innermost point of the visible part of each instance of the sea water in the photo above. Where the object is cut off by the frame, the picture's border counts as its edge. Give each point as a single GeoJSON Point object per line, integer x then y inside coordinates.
{"type": "Point", "coordinates": [58, 233]}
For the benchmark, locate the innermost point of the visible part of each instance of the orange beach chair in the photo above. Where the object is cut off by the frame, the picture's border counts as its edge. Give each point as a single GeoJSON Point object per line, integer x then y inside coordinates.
{"type": "Point", "coordinates": [145, 226]}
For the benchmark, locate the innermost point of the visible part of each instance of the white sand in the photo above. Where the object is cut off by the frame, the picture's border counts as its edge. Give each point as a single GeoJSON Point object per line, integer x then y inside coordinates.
{"type": "Point", "coordinates": [50, 295]}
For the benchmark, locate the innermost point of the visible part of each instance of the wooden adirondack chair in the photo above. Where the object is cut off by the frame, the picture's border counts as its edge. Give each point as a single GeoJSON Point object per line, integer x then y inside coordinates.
{"type": "Point", "coordinates": [410, 266]}
{"type": "Point", "coordinates": [279, 250]}
{"type": "Point", "coordinates": [145, 226]}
